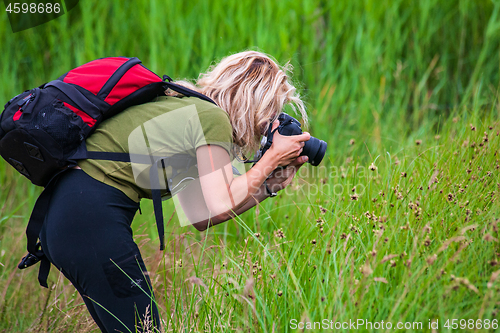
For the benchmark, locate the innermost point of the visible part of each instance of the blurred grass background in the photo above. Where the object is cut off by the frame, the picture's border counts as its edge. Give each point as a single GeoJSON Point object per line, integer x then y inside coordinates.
{"type": "Point", "coordinates": [384, 73]}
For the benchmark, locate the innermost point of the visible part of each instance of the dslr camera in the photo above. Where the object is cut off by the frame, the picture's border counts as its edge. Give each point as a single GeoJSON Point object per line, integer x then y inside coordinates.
{"type": "Point", "coordinates": [314, 148]}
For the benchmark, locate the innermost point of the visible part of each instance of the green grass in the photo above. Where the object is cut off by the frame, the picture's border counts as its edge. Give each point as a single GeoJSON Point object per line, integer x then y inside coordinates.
{"type": "Point", "coordinates": [384, 73]}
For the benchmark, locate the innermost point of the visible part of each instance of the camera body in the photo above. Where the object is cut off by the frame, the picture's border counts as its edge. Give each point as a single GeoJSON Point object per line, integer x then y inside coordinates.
{"type": "Point", "coordinates": [314, 148]}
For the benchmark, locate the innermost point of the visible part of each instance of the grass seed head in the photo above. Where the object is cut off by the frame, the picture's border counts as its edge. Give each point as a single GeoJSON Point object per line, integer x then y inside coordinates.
{"type": "Point", "coordinates": [279, 234]}
{"type": "Point", "coordinates": [366, 269]}
{"type": "Point", "coordinates": [490, 238]}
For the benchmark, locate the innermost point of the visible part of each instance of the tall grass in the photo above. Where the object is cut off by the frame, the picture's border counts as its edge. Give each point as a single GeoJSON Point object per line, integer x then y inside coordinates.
{"type": "Point", "coordinates": [385, 74]}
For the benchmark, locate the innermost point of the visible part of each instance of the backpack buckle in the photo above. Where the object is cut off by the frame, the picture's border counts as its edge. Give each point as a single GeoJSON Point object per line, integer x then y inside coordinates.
{"type": "Point", "coordinates": [29, 260]}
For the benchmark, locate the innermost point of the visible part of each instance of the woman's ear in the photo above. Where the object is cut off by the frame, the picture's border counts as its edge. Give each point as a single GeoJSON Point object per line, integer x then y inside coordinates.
{"type": "Point", "coordinates": [276, 123]}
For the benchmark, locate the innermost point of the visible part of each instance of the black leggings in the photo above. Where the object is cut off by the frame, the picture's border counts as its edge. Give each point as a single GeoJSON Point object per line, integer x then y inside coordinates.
{"type": "Point", "coordinates": [87, 236]}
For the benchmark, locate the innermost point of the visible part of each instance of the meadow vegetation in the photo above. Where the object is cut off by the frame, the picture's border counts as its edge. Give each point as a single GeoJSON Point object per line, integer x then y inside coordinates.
{"type": "Point", "coordinates": [400, 222]}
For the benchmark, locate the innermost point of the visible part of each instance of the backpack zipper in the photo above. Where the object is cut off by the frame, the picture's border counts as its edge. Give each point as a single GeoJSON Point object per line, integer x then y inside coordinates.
{"type": "Point", "coordinates": [25, 101]}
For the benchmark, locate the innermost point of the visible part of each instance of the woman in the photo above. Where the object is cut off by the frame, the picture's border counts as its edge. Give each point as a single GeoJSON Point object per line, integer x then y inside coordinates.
{"type": "Point", "coordinates": [87, 234]}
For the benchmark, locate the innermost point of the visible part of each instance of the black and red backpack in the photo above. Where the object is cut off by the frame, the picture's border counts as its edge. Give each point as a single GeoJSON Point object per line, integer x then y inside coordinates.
{"type": "Point", "coordinates": [43, 130]}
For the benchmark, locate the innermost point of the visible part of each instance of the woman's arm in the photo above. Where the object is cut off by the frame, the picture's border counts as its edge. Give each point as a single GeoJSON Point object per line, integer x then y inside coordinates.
{"type": "Point", "coordinates": [217, 196]}
{"type": "Point", "coordinates": [193, 202]}
{"type": "Point", "coordinates": [195, 209]}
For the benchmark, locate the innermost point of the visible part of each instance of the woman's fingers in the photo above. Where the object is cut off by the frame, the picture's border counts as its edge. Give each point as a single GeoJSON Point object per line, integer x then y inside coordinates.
{"type": "Point", "coordinates": [283, 177]}
{"type": "Point", "coordinates": [299, 161]}
{"type": "Point", "coordinates": [288, 147]}
{"type": "Point", "coordinates": [305, 136]}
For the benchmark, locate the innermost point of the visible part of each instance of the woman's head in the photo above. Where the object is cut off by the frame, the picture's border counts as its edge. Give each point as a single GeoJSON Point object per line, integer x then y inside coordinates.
{"type": "Point", "coordinates": [253, 89]}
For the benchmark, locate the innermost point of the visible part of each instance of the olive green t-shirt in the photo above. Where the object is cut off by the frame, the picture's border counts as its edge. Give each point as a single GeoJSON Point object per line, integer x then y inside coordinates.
{"type": "Point", "coordinates": [167, 127]}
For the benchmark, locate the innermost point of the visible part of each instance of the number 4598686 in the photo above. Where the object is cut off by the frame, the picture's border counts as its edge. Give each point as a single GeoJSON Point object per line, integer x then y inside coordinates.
{"type": "Point", "coordinates": [33, 8]}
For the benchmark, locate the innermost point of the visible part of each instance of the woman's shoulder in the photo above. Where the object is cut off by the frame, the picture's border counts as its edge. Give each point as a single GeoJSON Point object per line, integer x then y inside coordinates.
{"type": "Point", "coordinates": [203, 106]}
{"type": "Point", "coordinates": [162, 104]}
{"type": "Point", "coordinates": [206, 112]}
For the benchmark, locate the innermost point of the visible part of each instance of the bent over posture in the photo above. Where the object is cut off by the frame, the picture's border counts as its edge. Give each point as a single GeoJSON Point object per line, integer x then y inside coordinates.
{"type": "Point", "coordinates": [87, 230]}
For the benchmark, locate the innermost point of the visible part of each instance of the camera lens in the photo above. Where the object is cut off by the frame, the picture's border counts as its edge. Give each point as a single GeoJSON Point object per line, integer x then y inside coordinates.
{"type": "Point", "coordinates": [314, 149]}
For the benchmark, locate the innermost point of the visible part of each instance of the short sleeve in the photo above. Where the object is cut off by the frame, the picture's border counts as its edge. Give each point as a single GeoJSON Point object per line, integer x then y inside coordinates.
{"type": "Point", "coordinates": [216, 129]}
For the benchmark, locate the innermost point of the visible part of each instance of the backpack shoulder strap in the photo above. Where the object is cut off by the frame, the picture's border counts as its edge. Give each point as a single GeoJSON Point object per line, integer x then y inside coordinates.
{"type": "Point", "coordinates": [185, 91]}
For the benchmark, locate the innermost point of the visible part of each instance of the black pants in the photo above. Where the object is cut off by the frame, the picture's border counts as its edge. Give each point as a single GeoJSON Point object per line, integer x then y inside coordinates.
{"type": "Point", "coordinates": [87, 236]}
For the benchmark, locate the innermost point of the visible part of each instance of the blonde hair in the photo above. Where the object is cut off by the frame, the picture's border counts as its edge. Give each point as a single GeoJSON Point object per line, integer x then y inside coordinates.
{"type": "Point", "coordinates": [253, 89]}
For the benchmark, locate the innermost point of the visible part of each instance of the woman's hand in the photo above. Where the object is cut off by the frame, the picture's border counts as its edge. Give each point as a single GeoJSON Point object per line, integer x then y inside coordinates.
{"type": "Point", "coordinates": [281, 178]}
{"type": "Point", "coordinates": [287, 149]}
